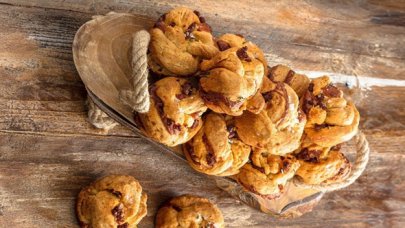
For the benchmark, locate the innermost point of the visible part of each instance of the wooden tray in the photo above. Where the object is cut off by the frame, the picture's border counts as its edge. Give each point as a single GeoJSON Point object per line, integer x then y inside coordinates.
{"type": "Point", "coordinates": [101, 52]}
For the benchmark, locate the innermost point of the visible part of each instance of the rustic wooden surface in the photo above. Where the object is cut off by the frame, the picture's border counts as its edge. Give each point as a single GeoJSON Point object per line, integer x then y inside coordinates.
{"type": "Point", "coordinates": [48, 151]}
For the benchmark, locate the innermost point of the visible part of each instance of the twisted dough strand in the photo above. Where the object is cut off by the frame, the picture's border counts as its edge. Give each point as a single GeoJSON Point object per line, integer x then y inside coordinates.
{"type": "Point", "coordinates": [362, 157]}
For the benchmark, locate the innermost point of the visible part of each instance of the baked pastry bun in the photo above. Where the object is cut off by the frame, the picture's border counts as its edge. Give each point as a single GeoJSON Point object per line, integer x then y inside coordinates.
{"type": "Point", "coordinates": [322, 165]}
{"type": "Point", "coordinates": [189, 211]}
{"type": "Point", "coordinates": [230, 40]}
{"type": "Point", "coordinates": [175, 112]}
{"type": "Point", "coordinates": [231, 77]}
{"type": "Point", "coordinates": [278, 127]}
{"type": "Point", "coordinates": [267, 174]}
{"type": "Point", "coordinates": [331, 119]}
{"type": "Point", "coordinates": [179, 40]}
{"type": "Point", "coordinates": [256, 103]}
{"type": "Point", "coordinates": [298, 82]}
{"type": "Point", "coordinates": [216, 149]}
{"type": "Point", "coordinates": [113, 201]}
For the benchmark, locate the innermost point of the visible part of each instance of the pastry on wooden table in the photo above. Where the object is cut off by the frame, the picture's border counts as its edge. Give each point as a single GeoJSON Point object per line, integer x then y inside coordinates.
{"type": "Point", "coordinates": [216, 149]}
{"type": "Point", "coordinates": [189, 211]}
{"type": "Point", "coordinates": [279, 126]}
{"type": "Point", "coordinates": [331, 119]}
{"type": "Point", "coordinates": [232, 77]}
{"type": "Point", "coordinates": [180, 39]}
{"type": "Point", "coordinates": [298, 82]}
{"type": "Point", "coordinates": [267, 174]}
{"type": "Point", "coordinates": [175, 111]}
{"type": "Point", "coordinates": [113, 201]}
{"type": "Point", "coordinates": [322, 164]}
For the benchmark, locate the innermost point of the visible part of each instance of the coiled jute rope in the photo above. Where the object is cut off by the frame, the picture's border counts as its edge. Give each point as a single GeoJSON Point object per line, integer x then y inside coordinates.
{"type": "Point", "coordinates": [98, 118]}
{"type": "Point", "coordinates": [138, 99]}
{"type": "Point", "coordinates": [138, 96]}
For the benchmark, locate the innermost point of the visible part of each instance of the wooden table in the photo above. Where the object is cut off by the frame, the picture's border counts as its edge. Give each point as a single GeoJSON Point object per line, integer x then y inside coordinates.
{"type": "Point", "coordinates": [48, 151]}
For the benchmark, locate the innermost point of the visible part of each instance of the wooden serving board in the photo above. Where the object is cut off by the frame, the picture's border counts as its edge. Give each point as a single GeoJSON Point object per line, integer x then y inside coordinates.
{"type": "Point", "coordinates": [101, 51]}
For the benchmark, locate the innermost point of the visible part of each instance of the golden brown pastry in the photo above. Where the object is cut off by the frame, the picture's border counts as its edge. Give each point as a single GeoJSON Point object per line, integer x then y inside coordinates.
{"type": "Point", "coordinates": [322, 164]}
{"type": "Point", "coordinates": [115, 201]}
{"type": "Point", "coordinates": [256, 103]}
{"type": "Point", "coordinates": [216, 149]}
{"type": "Point", "coordinates": [331, 119]}
{"type": "Point", "coordinates": [189, 211]}
{"type": "Point", "coordinates": [229, 40]}
{"type": "Point", "coordinates": [232, 77]}
{"type": "Point", "coordinates": [278, 127]}
{"type": "Point", "coordinates": [179, 40]}
{"type": "Point", "coordinates": [298, 82]}
{"type": "Point", "coordinates": [267, 174]}
{"type": "Point", "coordinates": [175, 112]}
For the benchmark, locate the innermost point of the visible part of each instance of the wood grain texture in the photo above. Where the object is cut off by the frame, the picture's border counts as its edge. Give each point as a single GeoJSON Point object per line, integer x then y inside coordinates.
{"type": "Point", "coordinates": [48, 151]}
{"type": "Point", "coordinates": [41, 176]}
{"type": "Point", "coordinates": [302, 34]}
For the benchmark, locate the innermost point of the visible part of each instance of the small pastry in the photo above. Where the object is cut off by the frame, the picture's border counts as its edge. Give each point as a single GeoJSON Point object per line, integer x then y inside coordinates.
{"type": "Point", "coordinates": [278, 127]}
{"type": "Point", "coordinates": [189, 211]}
{"type": "Point", "coordinates": [267, 174]}
{"type": "Point", "coordinates": [229, 40]}
{"type": "Point", "coordinates": [216, 149]}
{"type": "Point", "coordinates": [256, 103]}
{"type": "Point", "coordinates": [180, 39]}
{"type": "Point", "coordinates": [175, 112]}
{"type": "Point", "coordinates": [113, 201]}
{"type": "Point", "coordinates": [331, 119]}
{"type": "Point", "coordinates": [232, 77]}
{"type": "Point", "coordinates": [298, 82]}
{"type": "Point", "coordinates": [322, 165]}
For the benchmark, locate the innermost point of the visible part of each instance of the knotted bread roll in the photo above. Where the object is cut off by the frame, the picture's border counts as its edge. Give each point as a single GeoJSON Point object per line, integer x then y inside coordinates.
{"type": "Point", "coordinates": [233, 76]}
{"type": "Point", "coordinates": [230, 40]}
{"type": "Point", "coordinates": [180, 39]}
{"type": "Point", "coordinates": [113, 201]}
{"type": "Point", "coordinates": [279, 126]}
{"type": "Point", "coordinates": [189, 211]}
{"type": "Point", "coordinates": [322, 164]}
{"type": "Point", "coordinates": [331, 119]}
{"type": "Point", "coordinates": [175, 112]}
{"type": "Point", "coordinates": [216, 149]}
{"type": "Point", "coordinates": [267, 174]}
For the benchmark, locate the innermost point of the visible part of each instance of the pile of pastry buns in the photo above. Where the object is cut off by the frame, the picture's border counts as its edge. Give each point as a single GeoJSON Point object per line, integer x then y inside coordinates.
{"type": "Point", "coordinates": [234, 115]}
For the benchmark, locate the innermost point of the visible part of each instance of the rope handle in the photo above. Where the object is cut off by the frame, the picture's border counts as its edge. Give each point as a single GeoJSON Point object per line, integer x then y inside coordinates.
{"type": "Point", "coordinates": [97, 117]}
{"type": "Point", "coordinates": [362, 157]}
{"type": "Point", "coordinates": [138, 99]}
